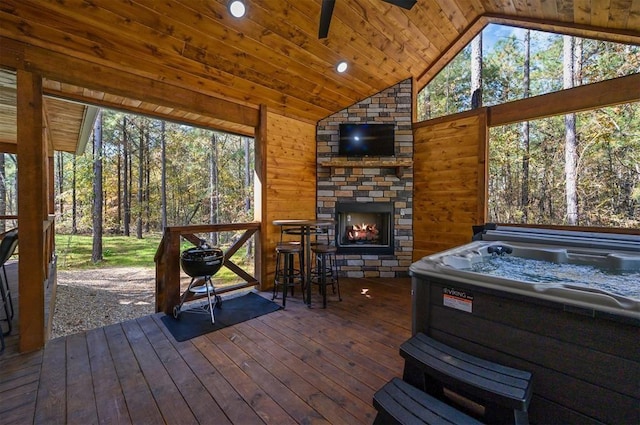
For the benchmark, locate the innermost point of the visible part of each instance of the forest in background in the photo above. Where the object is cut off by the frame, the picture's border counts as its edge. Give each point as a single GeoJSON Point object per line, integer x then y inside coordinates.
{"type": "Point", "coordinates": [138, 175]}
{"type": "Point", "coordinates": [154, 174]}
{"type": "Point", "coordinates": [576, 169]}
{"type": "Point", "coordinates": [141, 174]}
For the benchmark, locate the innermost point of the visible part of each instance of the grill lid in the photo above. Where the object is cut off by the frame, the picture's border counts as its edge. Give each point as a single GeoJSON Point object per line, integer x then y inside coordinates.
{"type": "Point", "coordinates": [201, 261]}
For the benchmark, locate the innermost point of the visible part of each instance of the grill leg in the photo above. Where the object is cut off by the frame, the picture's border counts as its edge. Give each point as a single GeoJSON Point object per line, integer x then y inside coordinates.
{"type": "Point", "coordinates": [207, 281]}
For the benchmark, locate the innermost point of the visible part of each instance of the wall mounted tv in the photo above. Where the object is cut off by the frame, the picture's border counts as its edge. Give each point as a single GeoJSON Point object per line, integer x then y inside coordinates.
{"type": "Point", "coordinates": [366, 140]}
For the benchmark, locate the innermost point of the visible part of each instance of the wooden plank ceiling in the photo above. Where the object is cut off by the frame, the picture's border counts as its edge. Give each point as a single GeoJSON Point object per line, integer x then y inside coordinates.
{"type": "Point", "coordinates": [273, 56]}
{"type": "Point", "coordinates": [65, 122]}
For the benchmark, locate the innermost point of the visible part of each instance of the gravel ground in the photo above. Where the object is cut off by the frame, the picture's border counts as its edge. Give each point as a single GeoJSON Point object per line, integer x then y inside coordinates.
{"type": "Point", "coordinates": [87, 299]}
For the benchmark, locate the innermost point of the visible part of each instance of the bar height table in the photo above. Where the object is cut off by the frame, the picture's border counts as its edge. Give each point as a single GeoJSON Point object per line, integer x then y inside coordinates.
{"type": "Point", "coordinates": [305, 227]}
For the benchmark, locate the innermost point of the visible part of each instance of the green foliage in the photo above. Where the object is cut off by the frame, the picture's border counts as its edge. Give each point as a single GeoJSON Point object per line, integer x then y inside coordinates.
{"type": "Point", "coordinates": [608, 139]}
{"type": "Point", "coordinates": [608, 169]}
{"type": "Point", "coordinates": [191, 191]}
{"type": "Point", "coordinates": [449, 92]}
{"type": "Point", "coordinates": [503, 69]}
{"type": "Point", "coordinates": [74, 252]}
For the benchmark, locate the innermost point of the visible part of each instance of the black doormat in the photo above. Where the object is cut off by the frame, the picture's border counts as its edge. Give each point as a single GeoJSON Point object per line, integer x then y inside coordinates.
{"type": "Point", "coordinates": [195, 322]}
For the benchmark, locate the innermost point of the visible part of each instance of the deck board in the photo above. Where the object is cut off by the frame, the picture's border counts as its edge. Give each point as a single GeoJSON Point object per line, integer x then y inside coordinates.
{"type": "Point", "coordinates": [297, 380]}
{"type": "Point", "coordinates": [234, 407]}
{"type": "Point", "coordinates": [171, 403]}
{"type": "Point", "coordinates": [298, 365]}
{"type": "Point", "coordinates": [201, 403]}
{"type": "Point", "coordinates": [80, 402]}
{"type": "Point", "coordinates": [313, 370]}
{"type": "Point", "coordinates": [51, 406]}
{"type": "Point", "coordinates": [140, 402]}
{"type": "Point", "coordinates": [111, 406]}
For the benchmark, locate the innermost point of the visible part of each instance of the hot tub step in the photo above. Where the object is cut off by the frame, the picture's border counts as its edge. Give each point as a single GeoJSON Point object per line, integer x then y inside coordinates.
{"type": "Point", "coordinates": [399, 402]}
{"type": "Point", "coordinates": [504, 392]}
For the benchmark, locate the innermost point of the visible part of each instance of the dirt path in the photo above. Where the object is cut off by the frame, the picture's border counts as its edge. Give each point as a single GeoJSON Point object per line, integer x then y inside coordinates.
{"type": "Point", "coordinates": [87, 299]}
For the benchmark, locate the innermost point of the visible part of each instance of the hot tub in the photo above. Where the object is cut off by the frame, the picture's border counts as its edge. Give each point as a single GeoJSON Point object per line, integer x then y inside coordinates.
{"type": "Point", "coordinates": [569, 313]}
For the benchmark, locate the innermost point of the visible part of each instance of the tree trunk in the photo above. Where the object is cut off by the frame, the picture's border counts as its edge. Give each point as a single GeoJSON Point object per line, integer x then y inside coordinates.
{"type": "Point", "coordinates": [3, 193]}
{"type": "Point", "coordinates": [74, 200]}
{"type": "Point", "coordinates": [60, 175]}
{"type": "Point", "coordinates": [96, 253]}
{"type": "Point", "coordinates": [247, 188]}
{"type": "Point", "coordinates": [524, 200]}
{"type": "Point", "coordinates": [119, 189]}
{"type": "Point", "coordinates": [147, 184]}
{"type": "Point", "coordinates": [213, 188]}
{"type": "Point", "coordinates": [163, 176]}
{"type": "Point", "coordinates": [427, 103]}
{"type": "Point", "coordinates": [140, 182]}
{"type": "Point", "coordinates": [476, 72]}
{"type": "Point", "coordinates": [126, 199]}
{"type": "Point", "coordinates": [570, 145]}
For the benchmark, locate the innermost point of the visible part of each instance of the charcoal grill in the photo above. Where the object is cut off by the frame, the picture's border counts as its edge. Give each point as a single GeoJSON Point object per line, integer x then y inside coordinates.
{"type": "Point", "coordinates": [200, 263]}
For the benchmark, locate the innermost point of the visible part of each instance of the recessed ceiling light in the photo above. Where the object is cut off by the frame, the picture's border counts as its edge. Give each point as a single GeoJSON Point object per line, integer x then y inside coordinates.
{"type": "Point", "coordinates": [237, 8]}
{"type": "Point", "coordinates": [342, 66]}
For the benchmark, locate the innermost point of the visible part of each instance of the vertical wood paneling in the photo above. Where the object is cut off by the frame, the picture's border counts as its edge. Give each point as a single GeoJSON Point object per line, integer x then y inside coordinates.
{"type": "Point", "coordinates": [289, 180]}
{"type": "Point", "coordinates": [449, 164]}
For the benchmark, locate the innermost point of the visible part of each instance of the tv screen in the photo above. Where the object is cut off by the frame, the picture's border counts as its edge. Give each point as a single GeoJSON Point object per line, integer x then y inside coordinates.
{"type": "Point", "coordinates": [366, 140]}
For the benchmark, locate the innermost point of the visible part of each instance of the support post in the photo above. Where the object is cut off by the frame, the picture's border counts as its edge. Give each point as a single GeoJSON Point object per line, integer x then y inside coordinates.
{"type": "Point", "coordinates": [32, 210]}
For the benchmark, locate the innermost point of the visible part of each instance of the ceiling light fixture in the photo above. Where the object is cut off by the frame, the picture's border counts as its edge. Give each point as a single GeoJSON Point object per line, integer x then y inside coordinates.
{"type": "Point", "coordinates": [342, 66]}
{"type": "Point", "coordinates": [237, 8]}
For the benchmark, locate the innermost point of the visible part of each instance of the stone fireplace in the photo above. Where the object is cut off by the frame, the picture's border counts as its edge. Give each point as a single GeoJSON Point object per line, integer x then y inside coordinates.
{"type": "Point", "coordinates": [371, 198]}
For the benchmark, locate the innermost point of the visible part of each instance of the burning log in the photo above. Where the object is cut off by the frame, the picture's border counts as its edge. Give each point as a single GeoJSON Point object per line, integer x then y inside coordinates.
{"type": "Point", "coordinates": [364, 232]}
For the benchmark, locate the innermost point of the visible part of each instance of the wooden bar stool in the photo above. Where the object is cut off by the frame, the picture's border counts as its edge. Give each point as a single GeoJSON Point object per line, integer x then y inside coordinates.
{"type": "Point", "coordinates": [325, 271]}
{"type": "Point", "coordinates": [287, 275]}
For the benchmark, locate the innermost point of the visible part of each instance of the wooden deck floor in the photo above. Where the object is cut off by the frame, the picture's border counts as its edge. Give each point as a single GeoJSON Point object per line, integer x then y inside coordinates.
{"type": "Point", "coordinates": [297, 365]}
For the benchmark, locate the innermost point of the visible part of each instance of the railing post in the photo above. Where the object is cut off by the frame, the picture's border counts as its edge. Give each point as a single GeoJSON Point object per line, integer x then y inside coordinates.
{"type": "Point", "coordinates": [167, 260]}
{"type": "Point", "coordinates": [168, 273]}
{"type": "Point", "coordinates": [172, 286]}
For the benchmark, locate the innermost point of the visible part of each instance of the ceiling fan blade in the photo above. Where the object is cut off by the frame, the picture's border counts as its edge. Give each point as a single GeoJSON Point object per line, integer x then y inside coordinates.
{"type": "Point", "coordinates": [405, 4]}
{"type": "Point", "coordinates": [325, 17]}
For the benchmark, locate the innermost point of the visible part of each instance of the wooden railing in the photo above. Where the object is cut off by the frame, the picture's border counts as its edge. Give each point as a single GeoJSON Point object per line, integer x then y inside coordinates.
{"type": "Point", "coordinates": [11, 220]}
{"type": "Point", "coordinates": [49, 232]}
{"type": "Point", "coordinates": [49, 243]}
{"type": "Point", "coordinates": [167, 260]}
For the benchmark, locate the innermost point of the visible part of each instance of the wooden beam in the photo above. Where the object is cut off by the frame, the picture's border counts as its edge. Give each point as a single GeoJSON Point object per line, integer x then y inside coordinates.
{"type": "Point", "coordinates": [568, 28]}
{"type": "Point", "coordinates": [260, 196]}
{"type": "Point", "coordinates": [32, 210]}
{"type": "Point", "coordinates": [66, 69]}
{"type": "Point", "coordinates": [225, 126]}
{"type": "Point", "coordinates": [8, 147]}
{"type": "Point", "coordinates": [596, 95]}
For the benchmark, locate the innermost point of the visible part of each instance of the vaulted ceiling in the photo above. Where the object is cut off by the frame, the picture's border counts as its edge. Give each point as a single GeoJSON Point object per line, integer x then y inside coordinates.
{"type": "Point", "coordinates": [273, 56]}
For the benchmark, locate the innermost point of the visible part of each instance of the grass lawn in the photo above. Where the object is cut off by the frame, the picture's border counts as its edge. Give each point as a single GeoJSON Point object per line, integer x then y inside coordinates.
{"type": "Point", "coordinates": [74, 252]}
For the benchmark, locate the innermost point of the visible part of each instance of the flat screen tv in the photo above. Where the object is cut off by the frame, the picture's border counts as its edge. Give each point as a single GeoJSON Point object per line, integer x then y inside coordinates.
{"type": "Point", "coordinates": [366, 140]}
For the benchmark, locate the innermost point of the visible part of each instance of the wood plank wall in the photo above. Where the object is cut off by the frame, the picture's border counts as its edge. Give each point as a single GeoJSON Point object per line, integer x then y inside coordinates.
{"type": "Point", "coordinates": [289, 180]}
{"type": "Point", "coordinates": [450, 154]}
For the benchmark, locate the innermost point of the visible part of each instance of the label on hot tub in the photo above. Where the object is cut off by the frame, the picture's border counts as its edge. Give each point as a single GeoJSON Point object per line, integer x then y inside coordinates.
{"type": "Point", "coordinates": [455, 298]}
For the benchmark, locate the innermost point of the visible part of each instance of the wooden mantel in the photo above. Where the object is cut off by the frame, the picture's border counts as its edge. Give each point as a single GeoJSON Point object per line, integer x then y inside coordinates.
{"type": "Point", "coordinates": [398, 163]}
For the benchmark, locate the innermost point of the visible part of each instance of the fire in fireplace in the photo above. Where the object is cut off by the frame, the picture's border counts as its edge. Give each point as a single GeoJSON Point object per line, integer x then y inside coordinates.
{"type": "Point", "coordinates": [363, 232]}
{"type": "Point", "coordinates": [364, 227]}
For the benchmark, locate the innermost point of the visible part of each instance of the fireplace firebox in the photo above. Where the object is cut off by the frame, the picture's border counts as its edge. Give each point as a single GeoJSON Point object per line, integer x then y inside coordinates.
{"type": "Point", "coordinates": [364, 227]}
